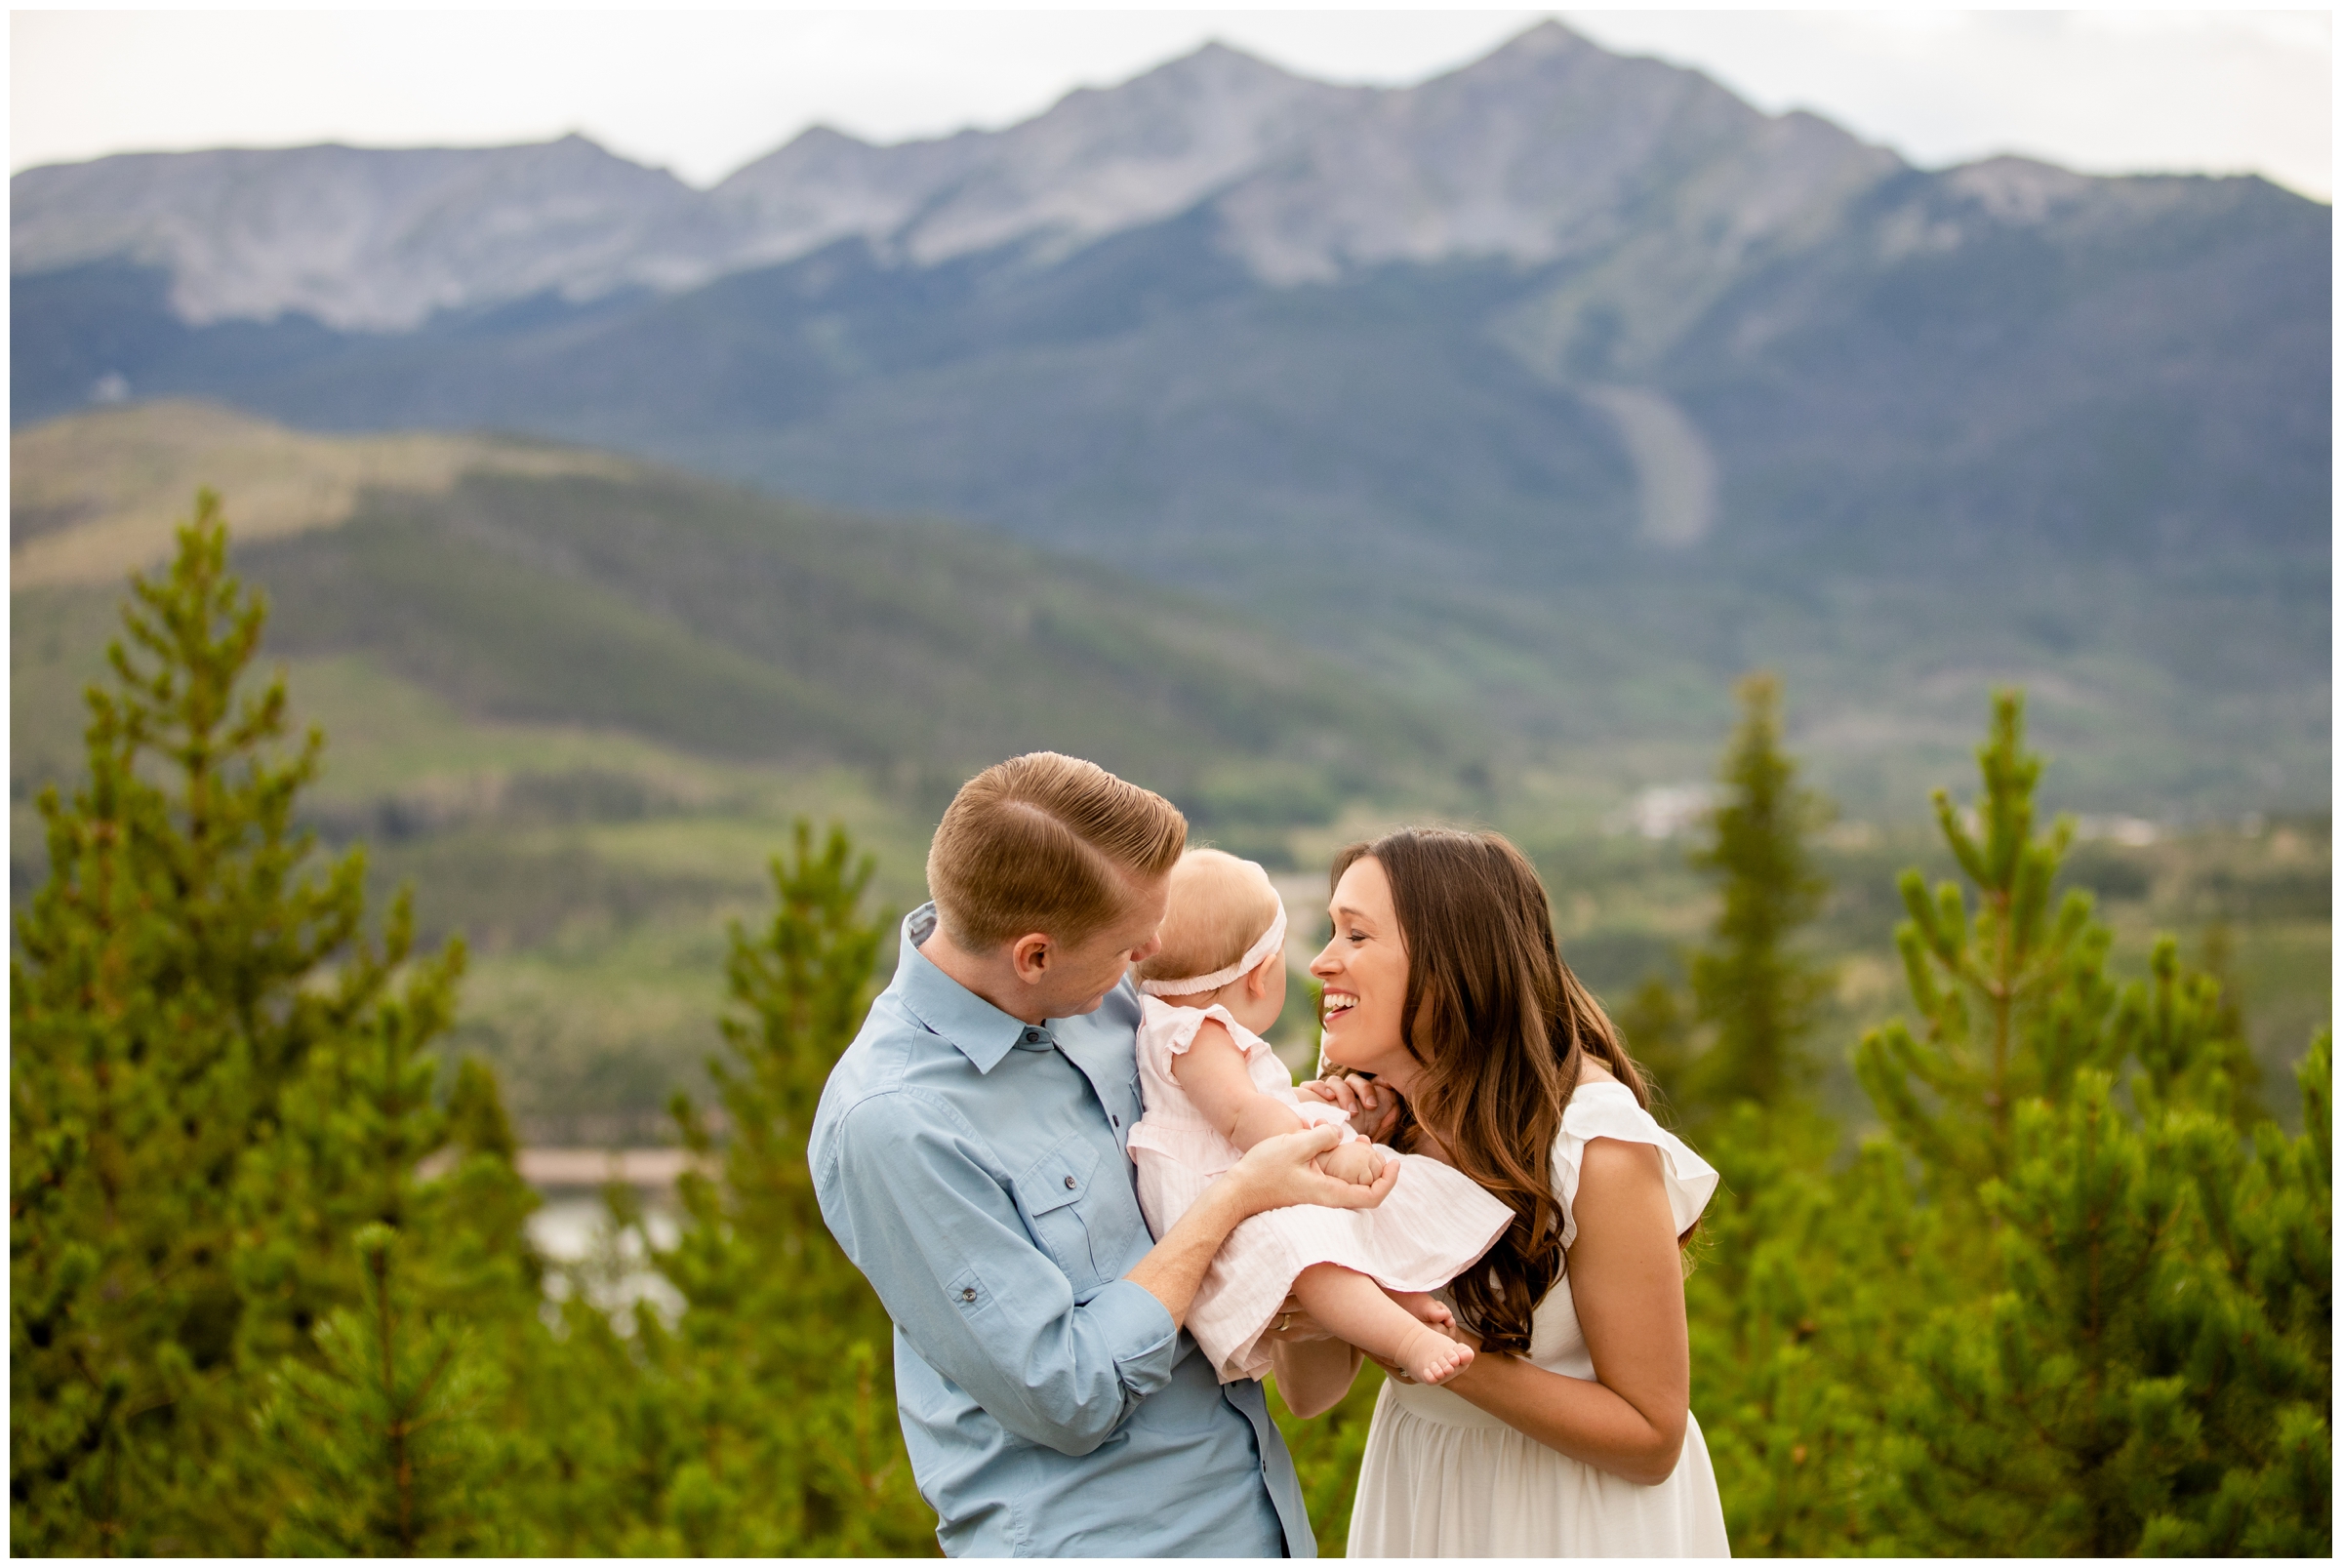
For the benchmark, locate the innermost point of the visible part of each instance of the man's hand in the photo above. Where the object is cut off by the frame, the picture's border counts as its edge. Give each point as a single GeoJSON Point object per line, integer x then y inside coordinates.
{"type": "Point", "coordinates": [1371, 1106]}
{"type": "Point", "coordinates": [1275, 1173]}
{"type": "Point", "coordinates": [1281, 1171]}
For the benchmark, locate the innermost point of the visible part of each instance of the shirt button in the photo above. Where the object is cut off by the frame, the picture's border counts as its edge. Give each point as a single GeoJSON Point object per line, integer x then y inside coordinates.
{"type": "Point", "coordinates": [1069, 1183]}
{"type": "Point", "coordinates": [968, 1294]}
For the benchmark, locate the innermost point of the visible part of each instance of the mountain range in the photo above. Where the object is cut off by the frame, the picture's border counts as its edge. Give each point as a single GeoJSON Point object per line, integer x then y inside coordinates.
{"type": "Point", "coordinates": [1309, 182]}
{"type": "Point", "coordinates": [1555, 389]}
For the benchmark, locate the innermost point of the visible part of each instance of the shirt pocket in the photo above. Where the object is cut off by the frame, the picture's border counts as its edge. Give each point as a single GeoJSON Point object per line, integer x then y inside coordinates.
{"type": "Point", "coordinates": [1051, 1195]}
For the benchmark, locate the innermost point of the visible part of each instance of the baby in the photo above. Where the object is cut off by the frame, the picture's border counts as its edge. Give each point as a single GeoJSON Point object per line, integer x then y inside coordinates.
{"type": "Point", "coordinates": [1213, 1089]}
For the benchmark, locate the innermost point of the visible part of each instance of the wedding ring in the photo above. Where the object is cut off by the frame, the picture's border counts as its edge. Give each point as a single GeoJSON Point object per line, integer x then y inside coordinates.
{"type": "Point", "coordinates": [1284, 1321]}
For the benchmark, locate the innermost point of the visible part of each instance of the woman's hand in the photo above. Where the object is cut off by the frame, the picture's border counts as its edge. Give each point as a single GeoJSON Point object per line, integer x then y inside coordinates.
{"type": "Point", "coordinates": [1371, 1106]}
{"type": "Point", "coordinates": [1281, 1171]}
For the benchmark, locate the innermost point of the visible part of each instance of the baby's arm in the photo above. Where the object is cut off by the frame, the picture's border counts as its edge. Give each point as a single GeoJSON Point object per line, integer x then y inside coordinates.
{"type": "Point", "coordinates": [1212, 1074]}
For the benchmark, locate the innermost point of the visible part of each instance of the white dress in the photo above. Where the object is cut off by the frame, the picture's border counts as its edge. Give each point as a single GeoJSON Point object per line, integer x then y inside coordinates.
{"type": "Point", "coordinates": [1434, 1224]}
{"type": "Point", "coordinates": [1443, 1478]}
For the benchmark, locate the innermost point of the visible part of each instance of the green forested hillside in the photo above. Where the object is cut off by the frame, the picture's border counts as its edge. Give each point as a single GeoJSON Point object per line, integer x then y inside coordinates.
{"type": "Point", "coordinates": [1948, 442]}
{"type": "Point", "coordinates": [727, 624]}
{"type": "Point", "coordinates": [576, 699]}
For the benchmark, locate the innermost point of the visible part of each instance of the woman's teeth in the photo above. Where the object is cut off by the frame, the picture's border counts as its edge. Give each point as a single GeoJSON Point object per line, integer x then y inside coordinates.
{"type": "Point", "coordinates": [1336, 1004]}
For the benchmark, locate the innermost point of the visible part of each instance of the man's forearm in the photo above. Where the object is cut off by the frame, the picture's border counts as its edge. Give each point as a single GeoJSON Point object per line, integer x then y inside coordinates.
{"type": "Point", "coordinates": [1173, 1271]}
{"type": "Point", "coordinates": [1273, 1173]}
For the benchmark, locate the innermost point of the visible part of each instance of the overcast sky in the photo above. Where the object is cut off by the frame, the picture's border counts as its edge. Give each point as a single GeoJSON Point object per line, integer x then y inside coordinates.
{"type": "Point", "coordinates": [703, 93]}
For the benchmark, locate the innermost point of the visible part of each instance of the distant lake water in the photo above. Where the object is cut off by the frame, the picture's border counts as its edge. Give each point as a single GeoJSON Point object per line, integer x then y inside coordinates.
{"type": "Point", "coordinates": [572, 1230]}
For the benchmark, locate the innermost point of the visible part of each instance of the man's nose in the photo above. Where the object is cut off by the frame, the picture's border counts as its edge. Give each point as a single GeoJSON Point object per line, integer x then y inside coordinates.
{"type": "Point", "coordinates": [1154, 944]}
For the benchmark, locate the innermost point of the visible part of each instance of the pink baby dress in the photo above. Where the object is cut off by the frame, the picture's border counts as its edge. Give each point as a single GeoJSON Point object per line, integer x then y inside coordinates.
{"type": "Point", "coordinates": [1432, 1224]}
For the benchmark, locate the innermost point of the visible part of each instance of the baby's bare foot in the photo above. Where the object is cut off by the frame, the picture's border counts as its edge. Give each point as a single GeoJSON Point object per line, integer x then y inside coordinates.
{"type": "Point", "coordinates": [1425, 1306]}
{"type": "Point", "coordinates": [1432, 1357]}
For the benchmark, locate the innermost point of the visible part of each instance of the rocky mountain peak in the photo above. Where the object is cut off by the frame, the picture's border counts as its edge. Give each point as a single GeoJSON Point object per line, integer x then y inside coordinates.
{"type": "Point", "coordinates": [1549, 147]}
{"type": "Point", "coordinates": [361, 239]}
{"type": "Point", "coordinates": [1098, 161]}
{"type": "Point", "coordinates": [2019, 191]}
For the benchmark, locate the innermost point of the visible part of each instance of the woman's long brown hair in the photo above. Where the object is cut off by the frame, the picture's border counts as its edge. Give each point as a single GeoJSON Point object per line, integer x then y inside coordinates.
{"type": "Point", "coordinates": [1496, 1022]}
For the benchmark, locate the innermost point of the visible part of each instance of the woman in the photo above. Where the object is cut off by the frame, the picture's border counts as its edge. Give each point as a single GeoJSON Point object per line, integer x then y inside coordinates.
{"type": "Point", "coordinates": [1571, 1434]}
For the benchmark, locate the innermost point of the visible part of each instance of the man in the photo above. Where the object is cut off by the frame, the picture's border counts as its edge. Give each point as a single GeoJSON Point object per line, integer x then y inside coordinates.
{"type": "Point", "coordinates": [969, 1157]}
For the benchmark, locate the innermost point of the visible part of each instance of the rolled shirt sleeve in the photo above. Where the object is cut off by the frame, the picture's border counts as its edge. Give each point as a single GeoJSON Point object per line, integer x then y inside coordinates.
{"type": "Point", "coordinates": [914, 1195]}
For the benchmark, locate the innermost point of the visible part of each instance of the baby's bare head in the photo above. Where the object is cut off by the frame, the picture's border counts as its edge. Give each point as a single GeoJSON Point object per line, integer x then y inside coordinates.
{"type": "Point", "coordinates": [1220, 906]}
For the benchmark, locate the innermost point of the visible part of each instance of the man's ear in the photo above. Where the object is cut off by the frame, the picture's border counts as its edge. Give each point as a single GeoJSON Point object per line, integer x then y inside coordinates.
{"type": "Point", "coordinates": [1029, 956]}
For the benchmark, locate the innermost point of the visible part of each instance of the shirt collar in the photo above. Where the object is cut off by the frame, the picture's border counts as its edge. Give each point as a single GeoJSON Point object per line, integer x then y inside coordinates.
{"type": "Point", "coordinates": [982, 1032]}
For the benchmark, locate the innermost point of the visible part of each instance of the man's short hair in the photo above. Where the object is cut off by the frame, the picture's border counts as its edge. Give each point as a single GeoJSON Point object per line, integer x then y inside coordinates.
{"type": "Point", "coordinates": [1045, 843]}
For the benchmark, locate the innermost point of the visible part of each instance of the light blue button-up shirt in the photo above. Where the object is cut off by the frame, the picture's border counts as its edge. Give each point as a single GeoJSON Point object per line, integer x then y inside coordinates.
{"type": "Point", "coordinates": [973, 1166]}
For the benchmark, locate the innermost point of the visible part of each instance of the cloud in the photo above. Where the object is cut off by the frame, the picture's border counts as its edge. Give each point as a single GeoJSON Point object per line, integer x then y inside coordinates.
{"type": "Point", "coordinates": [703, 93]}
{"type": "Point", "coordinates": [2101, 92]}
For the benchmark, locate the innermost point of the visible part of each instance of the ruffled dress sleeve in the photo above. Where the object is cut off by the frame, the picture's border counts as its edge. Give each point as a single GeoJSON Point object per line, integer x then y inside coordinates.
{"type": "Point", "coordinates": [1609, 1111]}
{"type": "Point", "coordinates": [1167, 1030]}
{"type": "Point", "coordinates": [1171, 1029]}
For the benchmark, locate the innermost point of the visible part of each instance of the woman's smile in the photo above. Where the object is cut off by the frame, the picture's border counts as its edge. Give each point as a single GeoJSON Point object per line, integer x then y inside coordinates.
{"type": "Point", "coordinates": [1364, 971]}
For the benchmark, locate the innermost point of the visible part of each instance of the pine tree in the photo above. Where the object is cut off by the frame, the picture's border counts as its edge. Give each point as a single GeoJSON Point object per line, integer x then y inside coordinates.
{"type": "Point", "coordinates": [216, 1084]}
{"type": "Point", "coordinates": [1799, 1271]}
{"type": "Point", "coordinates": [2259, 1376]}
{"type": "Point", "coordinates": [404, 1247]}
{"type": "Point", "coordinates": [387, 1428]}
{"type": "Point", "coordinates": [1741, 1033]}
{"type": "Point", "coordinates": [2013, 997]}
{"type": "Point", "coordinates": [2133, 1347]}
{"type": "Point", "coordinates": [344, 1148]}
{"type": "Point", "coordinates": [2037, 1320]}
{"type": "Point", "coordinates": [2155, 1375]}
{"type": "Point", "coordinates": [171, 976]}
{"type": "Point", "coordinates": [780, 1364]}
{"type": "Point", "coordinates": [1754, 991]}
{"type": "Point", "coordinates": [2235, 1040]}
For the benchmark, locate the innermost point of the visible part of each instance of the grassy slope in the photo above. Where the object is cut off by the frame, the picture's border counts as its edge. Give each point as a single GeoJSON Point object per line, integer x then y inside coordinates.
{"type": "Point", "coordinates": [726, 623]}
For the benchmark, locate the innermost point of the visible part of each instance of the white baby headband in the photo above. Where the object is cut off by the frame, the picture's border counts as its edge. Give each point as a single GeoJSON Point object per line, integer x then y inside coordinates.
{"type": "Point", "coordinates": [1271, 941]}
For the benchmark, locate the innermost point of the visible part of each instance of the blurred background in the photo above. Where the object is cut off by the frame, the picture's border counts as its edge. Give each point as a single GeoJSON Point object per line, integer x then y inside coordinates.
{"type": "Point", "coordinates": [649, 430]}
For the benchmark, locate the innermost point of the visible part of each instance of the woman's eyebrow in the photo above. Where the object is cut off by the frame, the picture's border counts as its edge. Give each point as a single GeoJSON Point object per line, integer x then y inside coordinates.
{"type": "Point", "coordinates": [1341, 909]}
